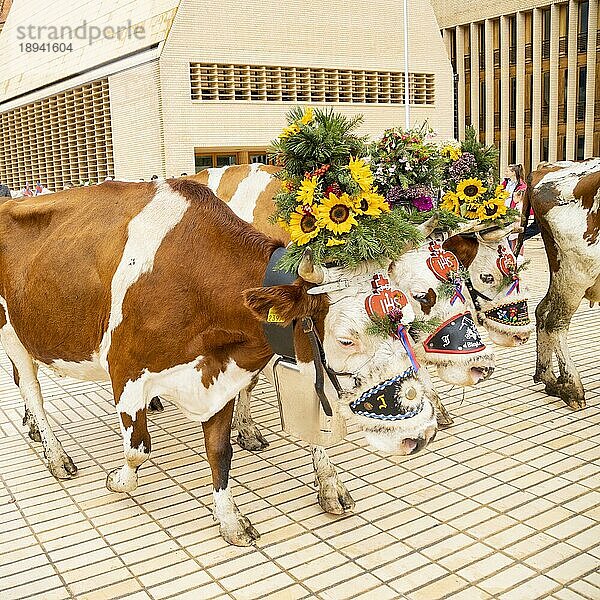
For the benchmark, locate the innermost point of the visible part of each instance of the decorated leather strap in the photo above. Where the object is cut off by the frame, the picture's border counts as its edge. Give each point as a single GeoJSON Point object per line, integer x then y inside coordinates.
{"type": "Point", "coordinates": [514, 313]}
{"type": "Point", "coordinates": [457, 335]}
{"type": "Point", "coordinates": [382, 401]}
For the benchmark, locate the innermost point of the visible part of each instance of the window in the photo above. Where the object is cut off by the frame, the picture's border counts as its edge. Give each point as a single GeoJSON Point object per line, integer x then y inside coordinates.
{"type": "Point", "coordinates": [580, 147]}
{"type": "Point", "coordinates": [512, 155]}
{"type": "Point", "coordinates": [481, 27]}
{"type": "Point", "coordinates": [582, 26]}
{"type": "Point", "coordinates": [212, 158]}
{"type": "Point", "coordinates": [513, 103]}
{"type": "Point", "coordinates": [581, 85]}
{"type": "Point", "coordinates": [544, 149]}
{"type": "Point", "coordinates": [225, 83]}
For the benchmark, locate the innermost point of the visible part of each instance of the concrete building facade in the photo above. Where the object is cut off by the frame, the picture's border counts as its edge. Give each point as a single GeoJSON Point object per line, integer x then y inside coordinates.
{"type": "Point", "coordinates": [526, 75]}
{"type": "Point", "coordinates": [207, 84]}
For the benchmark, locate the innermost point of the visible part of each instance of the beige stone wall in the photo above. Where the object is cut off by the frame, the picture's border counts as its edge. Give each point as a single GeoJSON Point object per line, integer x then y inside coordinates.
{"type": "Point", "coordinates": [137, 122]}
{"type": "Point", "coordinates": [336, 34]}
{"type": "Point", "coordinates": [450, 13]}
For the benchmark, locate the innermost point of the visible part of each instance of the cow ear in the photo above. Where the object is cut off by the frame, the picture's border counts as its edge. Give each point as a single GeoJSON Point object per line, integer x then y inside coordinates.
{"type": "Point", "coordinates": [281, 304]}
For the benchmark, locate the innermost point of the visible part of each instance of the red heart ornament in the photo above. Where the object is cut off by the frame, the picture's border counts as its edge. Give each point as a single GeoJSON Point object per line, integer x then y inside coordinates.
{"type": "Point", "coordinates": [506, 262]}
{"type": "Point", "coordinates": [383, 299]}
{"type": "Point", "coordinates": [441, 262]}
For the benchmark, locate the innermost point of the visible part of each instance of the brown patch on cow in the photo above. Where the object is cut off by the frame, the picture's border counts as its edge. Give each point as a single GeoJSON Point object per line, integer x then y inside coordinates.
{"type": "Point", "coordinates": [464, 248]}
{"type": "Point", "coordinates": [230, 181]}
{"type": "Point", "coordinates": [140, 434]}
{"type": "Point", "coordinates": [429, 301]}
{"type": "Point", "coordinates": [586, 191]}
{"type": "Point", "coordinates": [58, 263]}
{"type": "Point", "coordinates": [2, 317]}
{"type": "Point", "coordinates": [201, 177]}
{"type": "Point", "coordinates": [192, 303]}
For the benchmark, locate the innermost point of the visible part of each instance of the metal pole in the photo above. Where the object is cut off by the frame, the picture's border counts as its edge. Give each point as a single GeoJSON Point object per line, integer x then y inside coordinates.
{"type": "Point", "coordinates": [406, 78]}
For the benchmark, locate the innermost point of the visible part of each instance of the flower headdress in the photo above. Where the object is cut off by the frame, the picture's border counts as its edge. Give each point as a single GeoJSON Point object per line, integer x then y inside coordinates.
{"type": "Point", "coordinates": [328, 199]}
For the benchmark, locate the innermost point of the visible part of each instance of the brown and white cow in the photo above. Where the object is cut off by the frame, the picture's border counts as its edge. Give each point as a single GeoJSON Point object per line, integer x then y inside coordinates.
{"type": "Point", "coordinates": [157, 288]}
{"type": "Point", "coordinates": [565, 197]}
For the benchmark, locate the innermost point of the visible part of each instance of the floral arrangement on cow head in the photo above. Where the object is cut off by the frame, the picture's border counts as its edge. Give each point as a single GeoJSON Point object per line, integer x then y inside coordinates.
{"type": "Point", "coordinates": [469, 181]}
{"type": "Point", "coordinates": [329, 200]}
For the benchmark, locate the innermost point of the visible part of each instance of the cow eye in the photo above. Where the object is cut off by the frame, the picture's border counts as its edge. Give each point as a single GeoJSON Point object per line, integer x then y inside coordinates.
{"type": "Point", "coordinates": [345, 342]}
{"type": "Point", "coordinates": [487, 278]}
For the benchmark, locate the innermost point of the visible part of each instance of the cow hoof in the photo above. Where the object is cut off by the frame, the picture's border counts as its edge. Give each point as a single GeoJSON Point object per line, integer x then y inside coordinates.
{"type": "Point", "coordinates": [155, 405]}
{"type": "Point", "coordinates": [239, 532]}
{"type": "Point", "coordinates": [252, 440]}
{"type": "Point", "coordinates": [444, 421]}
{"type": "Point", "coordinates": [335, 499]}
{"type": "Point", "coordinates": [574, 403]}
{"type": "Point", "coordinates": [63, 468]}
{"type": "Point", "coordinates": [120, 481]}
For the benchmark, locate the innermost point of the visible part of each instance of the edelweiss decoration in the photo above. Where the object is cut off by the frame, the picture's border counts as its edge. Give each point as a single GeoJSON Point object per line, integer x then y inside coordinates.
{"type": "Point", "coordinates": [469, 182]}
{"type": "Point", "coordinates": [328, 200]}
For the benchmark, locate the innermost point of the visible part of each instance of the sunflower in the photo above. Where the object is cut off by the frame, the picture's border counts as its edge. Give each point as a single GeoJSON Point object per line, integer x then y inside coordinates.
{"type": "Point", "coordinates": [470, 189]}
{"type": "Point", "coordinates": [289, 130]}
{"type": "Point", "coordinates": [491, 209]}
{"type": "Point", "coordinates": [335, 214]}
{"type": "Point", "coordinates": [500, 193]}
{"type": "Point", "coordinates": [335, 241]}
{"type": "Point", "coordinates": [361, 173]}
{"type": "Point", "coordinates": [306, 193]}
{"type": "Point", "coordinates": [303, 225]}
{"type": "Point", "coordinates": [307, 117]}
{"type": "Point", "coordinates": [470, 210]}
{"type": "Point", "coordinates": [451, 202]}
{"type": "Point", "coordinates": [370, 203]}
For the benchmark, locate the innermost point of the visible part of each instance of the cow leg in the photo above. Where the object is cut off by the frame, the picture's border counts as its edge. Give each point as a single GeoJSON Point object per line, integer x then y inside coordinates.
{"type": "Point", "coordinates": [553, 317]}
{"type": "Point", "coordinates": [59, 463]}
{"type": "Point", "coordinates": [136, 446]}
{"type": "Point", "coordinates": [34, 432]}
{"type": "Point", "coordinates": [235, 528]}
{"type": "Point", "coordinates": [249, 436]}
{"type": "Point", "coordinates": [444, 420]}
{"type": "Point", "coordinates": [333, 496]}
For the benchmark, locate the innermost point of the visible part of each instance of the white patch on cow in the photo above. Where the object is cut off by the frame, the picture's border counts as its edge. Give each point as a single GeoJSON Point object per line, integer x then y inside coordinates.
{"type": "Point", "coordinates": [145, 234]}
{"type": "Point", "coordinates": [182, 385]}
{"type": "Point", "coordinates": [225, 508]}
{"type": "Point", "coordinates": [214, 178]}
{"type": "Point", "coordinates": [90, 370]}
{"type": "Point", "coordinates": [565, 180]}
{"type": "Point", "coordinates": [243, 201]}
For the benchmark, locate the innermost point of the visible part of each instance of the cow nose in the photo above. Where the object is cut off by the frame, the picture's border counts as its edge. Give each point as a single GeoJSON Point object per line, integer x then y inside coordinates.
{"type": "Point", "coordinates": [481, 373]}
{"type": "Point", "coordinates": [521, 339]}
{"type": "Point", "coordinates": [420, 443]}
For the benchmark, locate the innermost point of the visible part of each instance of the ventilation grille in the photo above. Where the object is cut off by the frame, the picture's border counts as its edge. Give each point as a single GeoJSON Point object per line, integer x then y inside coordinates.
{"type": "Point", "coordinates": [228, 83]}
{"type": "Point", "coordinates": [58, 140]}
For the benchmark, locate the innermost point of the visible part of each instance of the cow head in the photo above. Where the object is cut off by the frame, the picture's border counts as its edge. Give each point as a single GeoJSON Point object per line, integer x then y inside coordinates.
{"type": "Point", "coordinates": [500, 297]}
{"type": "Point", "coordinates": [380, 389]}
{"type": "Point", "coordinates": [431, 276]}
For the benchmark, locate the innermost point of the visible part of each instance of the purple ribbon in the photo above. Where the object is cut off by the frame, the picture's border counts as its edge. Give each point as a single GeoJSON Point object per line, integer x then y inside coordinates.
{"type": "Point", "coordinates": [514, 285]}
{"type": "Point", "coordinates": [403, 337]}
{"type": "Point", "coordinates": [458, 295]}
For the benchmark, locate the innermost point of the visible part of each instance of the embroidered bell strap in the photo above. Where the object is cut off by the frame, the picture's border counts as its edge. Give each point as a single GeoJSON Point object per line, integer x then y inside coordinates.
{"type": "Point", "coordinates": [402, 335]}
{"type": "Point", "coordinates": [382, 401]}
{"type": "Point", "coordinates": [515, 285]}
{"type": "Point", "coordinates": [514, 313]}
{"type": "Point", "coordinates": [458, 295]}
{"type": "Point", "coordinates": [457, 335]}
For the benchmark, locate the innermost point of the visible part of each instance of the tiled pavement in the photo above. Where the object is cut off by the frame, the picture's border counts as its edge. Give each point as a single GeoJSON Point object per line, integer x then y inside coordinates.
{"type": "Point", "coordinates": [505, 504]}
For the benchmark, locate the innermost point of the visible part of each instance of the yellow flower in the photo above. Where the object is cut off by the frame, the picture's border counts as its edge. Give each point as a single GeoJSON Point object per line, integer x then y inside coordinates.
{"type": "Point", "coordinates": [452, 152]}
{"type": "Point", "coordinates": [288, 186]}
{"type": "Point", "coordinates": [283, 224]}
{"type": "Point", "coordinates": [333, 241]}
{"type": "Point", "coordinates": [491, 209]}
{"type": "Point", "coordinates": [470, 189]}
{"type": "Point", "coordinates": [451, 202]}
{"type": "Point", "coordinates": [501, 193]}
{"type": "Point", "coordinates": [303, 225]}
{"type": "Point", "coordinates": [361, 173]}
{"type": "Point", "coordinates": [289, 130]}
{"type": "Point", "coordinates": [470, 210]}
{"type": "Point", "coordinates": [306, 193]}
{"type": "Point", "coordinates": [370, 203]}
{"type": "Point", "coordinates": [307, 117]}
{"type": "Point", "coordinates": [335, 213]}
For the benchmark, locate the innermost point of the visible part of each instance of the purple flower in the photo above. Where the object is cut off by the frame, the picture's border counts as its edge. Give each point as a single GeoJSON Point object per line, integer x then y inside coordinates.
{"type": "Point", "coordinates": [461, 168]}
{"type": "Point", "coordinates": [396, 197]}
{"type": "Point", "coordinates": [423, 203]}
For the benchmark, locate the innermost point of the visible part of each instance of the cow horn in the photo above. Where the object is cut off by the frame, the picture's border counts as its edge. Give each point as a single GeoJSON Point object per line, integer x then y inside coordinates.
{"type": "Point", "coordinates": [308, 270]}
{"type": "Point", "coordinates": [496, 234]}
{"type": "Point", "coordinates": [428, 226]}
